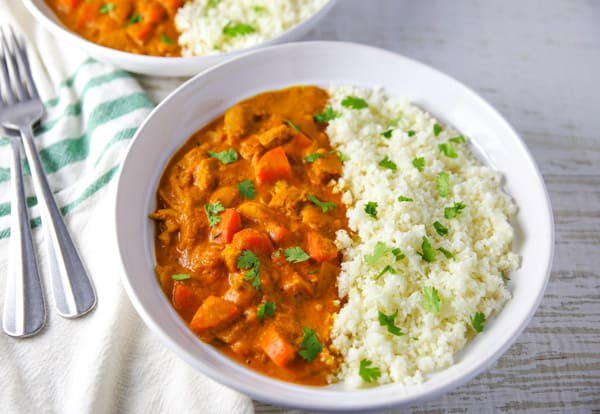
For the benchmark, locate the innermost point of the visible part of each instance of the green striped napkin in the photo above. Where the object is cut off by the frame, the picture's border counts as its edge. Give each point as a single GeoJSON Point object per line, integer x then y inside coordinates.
{"type": "Point", "coordinates": [108, 360]}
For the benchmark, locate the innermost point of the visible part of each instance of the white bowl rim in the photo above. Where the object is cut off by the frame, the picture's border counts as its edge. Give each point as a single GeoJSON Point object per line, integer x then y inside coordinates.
{"type": "Point", "coordinates": [368, 401]}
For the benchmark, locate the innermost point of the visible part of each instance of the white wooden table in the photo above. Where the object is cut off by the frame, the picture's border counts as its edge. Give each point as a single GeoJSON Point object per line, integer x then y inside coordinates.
{"type": "Point", "coordinates": [538, 63]}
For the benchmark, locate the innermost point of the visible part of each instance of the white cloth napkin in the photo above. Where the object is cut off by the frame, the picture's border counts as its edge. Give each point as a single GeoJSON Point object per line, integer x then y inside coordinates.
{"type": "Point", "coordinates": [107, 361]}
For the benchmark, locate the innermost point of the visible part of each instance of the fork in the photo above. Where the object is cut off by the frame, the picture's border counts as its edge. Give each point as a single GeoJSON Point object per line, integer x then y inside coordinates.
{"type": "Point", "coordinates": [21, 109]}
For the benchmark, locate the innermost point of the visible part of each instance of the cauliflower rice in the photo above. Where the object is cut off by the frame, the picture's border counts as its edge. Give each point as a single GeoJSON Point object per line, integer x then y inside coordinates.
{"type": "Point", "coordinates": [478, 240]}
{"type": "Point", "coordinates": [215, 26]}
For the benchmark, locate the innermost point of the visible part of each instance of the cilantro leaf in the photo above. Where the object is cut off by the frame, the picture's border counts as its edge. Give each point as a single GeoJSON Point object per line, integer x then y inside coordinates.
{"type": "Point", "coordinates": [211, 4]}
{"type": "Point", "coordinates": [388, 134]}
{"type": "Point", "coordinates": [389, 164]}
{"type": "Point", "coordinates": [313, 157]}
{"type": "Point", "coordinates": [388, 320]}
{"type": "Point", "coordinates": [212, 211]}
{"type": "Point", "coordinates": [437, 128]}
{"type": "Point", "coordinates": [419, 163]}
{"type": "Point", "coordinates": [380, 250]}
{"type": "Point", "coordinates": [443, 184]}
{"type": "Point", "coordinates": [458, 140]}
{"type": "Point", "coordinates": [295, 254]}
{"type": "Point", "coordinates": [431, 299]}
{"type": "Point", "coordinates": [447, 253]}
{"type": "Point", "coordinates": [394, 122]}
{"type": "Point", "coordinates": [226, 157]}
{"type": "Point", "coordinates": [246, 189]}
{"type": "Point", "coordinates": [259, 9]}
{"type": "Point", "coordinates": [428, 253]}
{"type": "Point", "coordinates": [403, 198]}
{"type": "Point", "coordinates": [135, 18]}
{"type": "Point", "coordinates": [385, 270]}
{"type": "Point", "coordinates": [448, 150]}
{"type": "Point", "coordinates": [249, 261]}
{"type": "Point", "coordinates": [166, 39]}
{"type": "Point", "coordinates": [368, 373]}
{"type": "Point", "coordinates": [107, 8]}
{"type": "Point", "coordinates": [354, 102]}
{"type": "Point", "coordinates": [478, 321]}
{"type": "Point", "coordinates": [410, 133]}
{"type": "Point", "coordinates": [238, 29]}
{"type": "Point", "coordinates": [267, 308]}
{"type": "Point", "coordinates": [371, 209]}
{"type": "Point", "coordinates": [327, 115]}
{"type": "Point", "coordinates": [455, 210]}
{"type": "Point", "coordinates": [180, 276]}
{"type": "Point", "coordinates": [439, 227]}
{"type": "Point", "coordinates": [325, 206]}
{"type": "Point", "coordinates": [292, 125]}
{"type": "Point", "coordinates": [398, 253]}
{"type": "Point", "coordinates": [310, 345]}
{"type": "Point", "coordinates": [340, 155]}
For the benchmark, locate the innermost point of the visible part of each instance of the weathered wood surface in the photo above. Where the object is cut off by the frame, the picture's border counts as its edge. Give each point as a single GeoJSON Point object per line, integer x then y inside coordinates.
{"type": "Point", "coordinates": [538, 63]}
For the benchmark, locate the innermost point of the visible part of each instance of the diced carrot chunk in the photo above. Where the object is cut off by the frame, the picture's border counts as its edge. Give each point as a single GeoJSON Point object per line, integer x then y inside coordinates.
{"type": "Point", "coordinates": [273, 165]}
{"type": "Point", "coordinates": [254, 240]}
{"type": "Point", "coordinates": [87, 14]}
{"type": "Point", "coordinates": [213, 312]}
{"type": "Point", "coordinates": [277, 347]}
{"type": "Point", "coordinates": [153, 13]}
{"type": "Point", "coordinates": [279, 234]}
{"type": "Point", "coordinates": [184, 298]}
{"type": "Point", "coordinates": [171, 5]}
{"type": "Point", "coordinates": [140, 32]}
{"type": "Point", "coordinates": [68, 5]}
{"type": "Point", "coordinates": [298, 143]}
{"type": "Point", "coordinates": [320, 248]}
{"type": "Point", "coordinates": [229, 225]}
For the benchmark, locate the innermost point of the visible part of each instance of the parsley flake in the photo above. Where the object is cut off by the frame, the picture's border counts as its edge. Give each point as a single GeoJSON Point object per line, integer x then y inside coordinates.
{"type": "Point", "coordinates": [354, 102]}
{"type": "Point", "coordinates": [443, 184]}
{"type": "Point", "coordinates": [431, 299]}
{"type": "Point", "coordinates": [387, 269]}
{"type": "Point", "coordinates": [211, 4]}
{"type": "Point", "coordinates": [371, 209]}
{"type": "Point", "coordinates": [292, 125]}
{"type": "Point", "coordinates": [310, 345]}
{"type": "Point", "coordinates": [455, 210]}
{"type": "Point", "coordinates": [411, 133]}
{"type": "Point", "coordinates": [368, 373]}
{"type": "Point", "coordinates": [387, 134]}
{"type": "Point", "coordinates": [325, 206]}
{"type": "Point", "coordinates": [343, 157]}
{"type": "Point", "coordinates": [419, 163]}
{"type": "Point", "coordinates": [428, 253]}
{"type": "Point", "coordinates": [448, 150]}
{"type": "Point", "coordinates": [327, 115]}
{"type": "Point", "coordinates": [295, 254]}
{"type": "Point", "coordinates": [478, 321]}
{"type": "Point", "coordinates": [313, 157]}
{"type": "Point", "coordinates": [267, 308]}
{"type": "Point", "coordinates": [107, 8]}
{"type": "Point", "coordinates": [259, 9]}
{"type": "Point", "coordinates": [249, 261]}
{"type": "Point", "coordinates": [166, 39]}
{"type": "Point", "coordinates": [180, 276]}
{"type": "Point", "coordinates": [380, 250]}
{"type": "Point", "coordinates": [447, 253]}
{"type": "Point", "coordinates": [238, 29]}
{"type": "Point", "coordinates": [403, 198]}
{"type": "Point", "coordinates": [458, 140]}
{"type": "Point", "coordinates": [135, 18]}
{"type": "Point", "coordinates": [212, 211]}
{"type": "Point", "coordinates": [439, 227]}
{"type": "Point", "coordinates": [246, 189]}
{"type": "Point", "coordinates": [226, 157]}
{"type": "Point", "coordinates": [389, 164]}
{"type": "Point", "coordinates": [437, 128]}
{"type": "Point", "coordinates": [388, 320]}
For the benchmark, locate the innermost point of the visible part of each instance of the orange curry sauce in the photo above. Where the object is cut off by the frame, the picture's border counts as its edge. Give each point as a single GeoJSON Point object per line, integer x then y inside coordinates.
{"type": "Point", "coordinates": [136, 26]}
{"type": "Point", "coordinates": [255, 274]}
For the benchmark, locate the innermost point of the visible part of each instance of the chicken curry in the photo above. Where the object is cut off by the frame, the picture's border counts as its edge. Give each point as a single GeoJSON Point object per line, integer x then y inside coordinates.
{"type": "Point", "coordinates": [135, 26]}
{"type": "Point", "coordinates": [246, 223]}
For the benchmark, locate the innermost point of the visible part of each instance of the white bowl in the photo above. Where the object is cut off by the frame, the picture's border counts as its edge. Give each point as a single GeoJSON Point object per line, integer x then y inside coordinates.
{"type": "Point", "coordinates": [209, 94]}
{"type": "Point", "coordinates": [153, 65]}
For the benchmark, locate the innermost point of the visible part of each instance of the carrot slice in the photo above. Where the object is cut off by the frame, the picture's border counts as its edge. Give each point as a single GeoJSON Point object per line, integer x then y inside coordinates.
{"type": "Point", "coordinates": [229, 225]}
{"type": "Point", "coordinates": [213, 312]}
{"type": "Point", "coordinates": [320, 248]}
{"type": "Point", "coordinates": [254, 240]}
{"type": "Point", "coordinates": [184, 298]}
{"type": "Point", "coordinates": [273, 165]}
{"type": "Point", "coordinates": [277, 347]}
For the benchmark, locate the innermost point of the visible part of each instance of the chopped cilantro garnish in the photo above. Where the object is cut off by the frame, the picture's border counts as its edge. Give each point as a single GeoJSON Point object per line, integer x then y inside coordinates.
{"type": "Point", "coordinates": [277, 253]}
{"type": "Point", "coordinates": [380, 250]}
{"type": "Point", "coordinates": [212, 211]}
{"type": "Point", "coordinates": [447, 253]}
{"type": "Point", "coordinates": [249, 261]}
{"type": "Point", "coordinates": [295, 254]}
{"type": "Point", "coordinates": [431, 299]}
{"type": "Point", "coordinates": [267, 308]}
{"type": "Point", "coordinates": [368, 373]}
{"type": "Point", "coordinates": [166, 39]}
{"type": "Point", "coordinates": [403, 198]}
{"type": "Point", "coordinates": [312, 272]}
{"type": "Point", "coordinates": [325, 206]}
{"type": "Point", "coordinates": [478, 321]}
{"type": "Point", "coordinates": [394, 122]}
{"type": "Point", "coordinates": [458, 140]}
{"type": "Point", "coordinates": [419, 163]}
{"type": "Point", "coordinates": [135, 18]}
{"type": "Point", "coordinates": [259, 9]}
{"type": "Point", "coordinates": [340, 155]}
{"type": "Point", "coordinates": [428, 253]}
{"type": "Point", "coordinates": [354, 102]}
{"type": "Point", "coordinates": [211, 4]}
{"type": "Point", "coordinates": [443, 184]}
{"type": "Point", "coordinates": [389, 164]}
{"type": "Point", "coordinates": [448, 150]}
{"type": "Point", "coordinates": [327, 115]}
{"type": "Point", "coordinates": [398, 253]}
{"type": "Point", "coordinates": [437, 128]}
{"type": "Point", "coordinates": [107, 8]}
{"type": "Point", "coordinates": [180, 276]}
{"type": "Point", "coordinates": [371, 209]}
{"type": "Point", "coordinates": [313, 157]}
{"type": "Point", "coordinates": [292, 125]}
{"type": "Point", "coordinates": [386, 269]}
{"type": "Point", "coordinates": [387, 134]}
{"type": "Point", "coordinates": [411, 133]}
{"type": "Point", "coordinates": [439, 227]}
{"type": "Point", "coordinates": [455, 210]}
{"type": "Point", "coordinates": [226, 157]}
{"type": "Point", "coordinates": [310, 345]}
{"type": "Point", "coordinates": [246, 189]}
{"type": "Point", "coordinates": [238, 29]}
{"type": "Point", "coordinates": [388, 320]}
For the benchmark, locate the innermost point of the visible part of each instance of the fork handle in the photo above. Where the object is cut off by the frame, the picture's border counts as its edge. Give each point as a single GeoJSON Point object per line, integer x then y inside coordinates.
{"type": "Point", "coordinates": [74, 293]}
{"type": "Point", "coordinates": [24, 308]}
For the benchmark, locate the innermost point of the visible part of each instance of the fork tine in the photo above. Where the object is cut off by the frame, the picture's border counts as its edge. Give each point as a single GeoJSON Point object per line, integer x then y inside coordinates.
{"type": "Point", "coordinates": [15, 68]}
{"type": "Point", "coordinates": [22, 52]}
{"type": "Point", "coordinates": [9, 97]}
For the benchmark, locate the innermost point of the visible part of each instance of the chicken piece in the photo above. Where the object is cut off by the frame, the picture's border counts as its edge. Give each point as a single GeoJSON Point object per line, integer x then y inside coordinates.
{"type": "Point", "coordinates": [292, 284]}
{"type": "Point", "coordinates": [120, 11]}
{"type": "Point", "coordinates": [240, 292]}
{"type": "Point", "coordinates": [254, 211]}
{"type": "Point", "coordinates": [237, 121]}
{"type": "Point", "coordinates": [246, 239]}
{"type": "Point", "coordinates": [314, 217]}
{"type": "Point", "coordinates": [170, 224]}
{"type": "Point", "coordinates": [227, 196]}
{"type": "Point", "coordinates": [205, 262]}
{"type": "Point", "coordinates": [204, 174]}
{"type": "Point", "coordinates": [286, 196]}
{"type": "Point", "coordinates": [250, 147]}
{"type": "Point", "coordinates": [326, 168]}
{"type": "Point", "coordinates": [275, 136]}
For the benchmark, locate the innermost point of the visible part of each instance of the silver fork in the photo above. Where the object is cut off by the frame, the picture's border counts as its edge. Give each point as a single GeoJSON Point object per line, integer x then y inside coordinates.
{"type": "Point", "coordinates": [21, 108]}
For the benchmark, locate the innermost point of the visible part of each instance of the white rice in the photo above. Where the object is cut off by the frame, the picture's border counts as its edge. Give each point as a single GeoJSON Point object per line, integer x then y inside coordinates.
{"type": "Point", "coordinates": [480, 239]}
{"type": "Point", "coordinates": [202, 22]}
